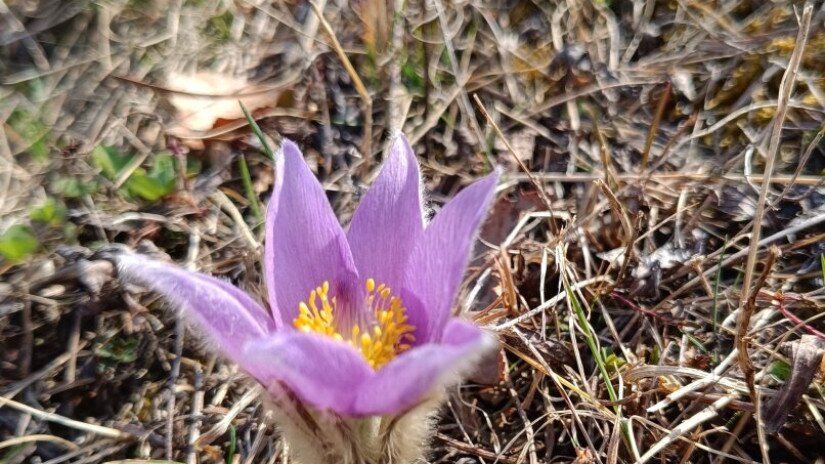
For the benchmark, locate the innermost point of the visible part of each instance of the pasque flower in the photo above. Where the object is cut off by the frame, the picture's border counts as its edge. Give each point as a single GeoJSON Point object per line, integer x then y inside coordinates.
{"type": "Point", "coordinates": [360, 339]}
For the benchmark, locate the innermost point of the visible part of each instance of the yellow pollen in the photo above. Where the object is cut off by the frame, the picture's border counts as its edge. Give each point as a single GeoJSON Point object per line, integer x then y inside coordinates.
{"type": "Point", "coordinates": [380, 343]}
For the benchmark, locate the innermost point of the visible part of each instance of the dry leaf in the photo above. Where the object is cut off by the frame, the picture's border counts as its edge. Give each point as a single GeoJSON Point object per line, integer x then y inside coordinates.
{"type": "Point", "coordinates": [204, 99]}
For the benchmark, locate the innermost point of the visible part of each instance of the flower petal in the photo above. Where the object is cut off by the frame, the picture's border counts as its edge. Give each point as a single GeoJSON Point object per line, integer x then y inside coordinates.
{"type": "Point", "coordinates": [305, 244]}
{"type": "Point", "coordinates": [409, 378]}
{"type": "Point", "coordinates": [224, 313]}
{"type": "Point", "coordinates": [389, 219]}
{"type": "Point", "coordinates": [322, 372]}
{"type": "Point", "coordinates": [437, 263]}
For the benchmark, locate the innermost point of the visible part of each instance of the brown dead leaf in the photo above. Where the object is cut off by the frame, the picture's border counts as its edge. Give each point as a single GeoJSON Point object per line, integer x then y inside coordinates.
{"type": "Point", "coordinates": [806, 358]}
{"type": "Point", "coordinates": [507, 211]}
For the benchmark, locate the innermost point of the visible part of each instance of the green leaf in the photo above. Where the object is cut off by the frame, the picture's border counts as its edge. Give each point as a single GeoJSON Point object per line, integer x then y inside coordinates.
{"type": "Point", "coordinates": [612, 360]}
{"type": "Point", "coordinates": [412, 78]}
{"type": "Point", "coordinates": [72, 187]}
{"type": "Point", "coordinates": [18, 242]}
{"type": "Point", "coordinates": [220, 27]}
{"type": "Point", "coordinates": [118, 349]}
{"type": "Point", "coordinates": [159, 182]}
{"type": "Point", "coordinates": [163, 170]}
{"type": "Point", "coordinates": [193, 167]}
{"type": "Point", "coordinates": [109, 160]}
{"type": "Point", "coordinates": [50, 212]}
{"type": "Point", "coordinates": [31, 132]}
{"type": "Point", "coordinates": [145, 187]}
{"type": "Point", "coordinates": [780, 370]}
{"type": "Point", "coordinates": [655, 354]}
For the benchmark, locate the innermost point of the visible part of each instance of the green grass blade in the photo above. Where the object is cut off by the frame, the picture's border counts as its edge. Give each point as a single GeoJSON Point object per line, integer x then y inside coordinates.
{"type": "Point", "coordinates": [250, 191]}
{"type": "Point", "coordinates": [822, 262]}
{"type": "Point", "coordinates": [590, 339]}
{"type": "Point", "coordinates": [258, 133]}
{"type": "Point", "coordinates": [230, 454]}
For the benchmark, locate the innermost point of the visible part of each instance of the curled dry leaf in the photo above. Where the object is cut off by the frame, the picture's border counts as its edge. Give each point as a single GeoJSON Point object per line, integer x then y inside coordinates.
{"type": "Point", "coordinates": [806, 358]}
{"type": "Point", "coordinates": [204, 100]}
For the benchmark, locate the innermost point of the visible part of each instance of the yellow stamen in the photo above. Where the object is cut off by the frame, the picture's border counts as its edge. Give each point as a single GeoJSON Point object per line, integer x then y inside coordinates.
{"type": "Point", "coordinates": [380, 343]}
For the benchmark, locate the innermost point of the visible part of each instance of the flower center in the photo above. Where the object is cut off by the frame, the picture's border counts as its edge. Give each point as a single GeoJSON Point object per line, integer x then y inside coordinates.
{"type": "Point", "coordinates": [379, 341]}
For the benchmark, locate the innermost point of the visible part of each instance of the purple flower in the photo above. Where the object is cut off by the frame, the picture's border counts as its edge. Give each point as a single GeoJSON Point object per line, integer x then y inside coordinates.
{"type": "Point", "coordinates": [360, 322]}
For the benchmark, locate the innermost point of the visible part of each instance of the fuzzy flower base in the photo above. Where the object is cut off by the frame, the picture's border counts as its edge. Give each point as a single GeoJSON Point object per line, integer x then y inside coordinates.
{"type": "Point", "coordinates": [359, 341]}
{"type": "Point", "coordinates": [327, 438]}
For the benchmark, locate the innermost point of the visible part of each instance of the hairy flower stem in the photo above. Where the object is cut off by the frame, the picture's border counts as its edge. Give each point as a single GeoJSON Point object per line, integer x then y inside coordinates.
{"type": "Point", "coordinates": [325, 438]}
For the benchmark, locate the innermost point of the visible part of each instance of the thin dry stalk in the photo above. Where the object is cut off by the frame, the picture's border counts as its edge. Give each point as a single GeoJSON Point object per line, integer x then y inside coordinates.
{"type": "Point", "coordinates": [785, 90]}
{"type": "Point", "coordinates": [654, 126]}
{"type": "Point", "coordinates": [223, 425]}
{"type": "Point", "coordinates": [40, 438]}
{"type": "Point", "coordinates": [366, 144]}
{"type": "Point", "coordinates": [581, 177]}
{"type": "Point", "coordinates": [65, 421]}
{"type": "Point", "coordinates": [538, 186]}
{"type": "Point", "coordinates": [804, 225]}
{"type": "Point", "coordinates": [685, 427]}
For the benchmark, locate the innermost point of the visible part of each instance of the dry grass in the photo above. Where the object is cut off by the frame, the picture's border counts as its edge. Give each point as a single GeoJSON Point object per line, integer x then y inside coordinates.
{"type": "Point", "coordinates": [645, 313]}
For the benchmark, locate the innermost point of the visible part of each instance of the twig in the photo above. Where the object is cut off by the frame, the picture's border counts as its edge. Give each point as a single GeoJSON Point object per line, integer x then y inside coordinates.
{"type": "Point", "coordinates": [645, 311]}
{"type": "Point", "coordinates": [598, 87]}
{"type": "Point", "coordinates": [736, 114]}
{"type": "Point", "coordinates": [780, 299]}
{"type": "Point", "coordinates": [74, 342]}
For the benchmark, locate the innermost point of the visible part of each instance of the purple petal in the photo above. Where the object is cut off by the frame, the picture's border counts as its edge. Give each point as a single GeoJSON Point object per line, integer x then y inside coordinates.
{"type": "Point", "coordinates": [322, 372]}
{"type": "Point", "coordinates": [436, 266]}
{"type": "Point", "coordinates": [226, 315]}
{"type": "Point", "coordinates": [305, 244]}
{"type": "Point", "coordinates": [389, 219]}
{"type": "Point", "coordinates": [409, 378]}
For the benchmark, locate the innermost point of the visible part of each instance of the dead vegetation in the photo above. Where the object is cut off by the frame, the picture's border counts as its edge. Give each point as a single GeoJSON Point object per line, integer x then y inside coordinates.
{"type": "Point", "coordinates": [653, 264]}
